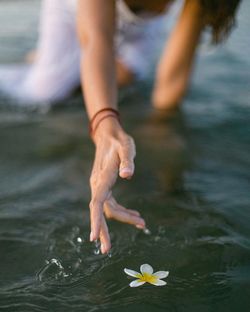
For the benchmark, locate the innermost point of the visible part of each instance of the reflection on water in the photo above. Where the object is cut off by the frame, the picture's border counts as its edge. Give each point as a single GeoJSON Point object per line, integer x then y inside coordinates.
{"type": "Point", "coordinates": [191, 185]}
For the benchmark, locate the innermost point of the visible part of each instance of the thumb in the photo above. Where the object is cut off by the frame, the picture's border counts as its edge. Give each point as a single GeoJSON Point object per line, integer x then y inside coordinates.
{"type": "Point", "coordinates": [127, 167]}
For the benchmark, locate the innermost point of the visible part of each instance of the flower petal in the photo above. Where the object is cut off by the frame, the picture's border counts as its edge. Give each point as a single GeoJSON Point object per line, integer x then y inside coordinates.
{"type": "Point", "coordinates": [158, 282]}
{"type": "Point", "coordinates": [146, 268]}
{"type": "Point", "coordinates": [136, 283]}
{"type": "Point", "coordinates": [132, 273]}
{"type": "Point", "coordinates": [161, 274]}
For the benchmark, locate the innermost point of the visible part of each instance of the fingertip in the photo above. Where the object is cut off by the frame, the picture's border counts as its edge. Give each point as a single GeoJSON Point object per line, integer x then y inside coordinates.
{"type": "Point", "coordinates": [140, 227]}
{"type": "Point", "coordinates": [105, 238]}
{"type": "Point", "coordinates": [141, 224]}
{"type": "Point", "coordinates": [105, 248]}
{"type": "Point", "coordinates": [126, 173]}
{"type": "Point", "coordinates": [95, 220]}
{"type": "Point", "coordinates": [91, 237]}
{"type": "Point", "coordinates": [94, 234]}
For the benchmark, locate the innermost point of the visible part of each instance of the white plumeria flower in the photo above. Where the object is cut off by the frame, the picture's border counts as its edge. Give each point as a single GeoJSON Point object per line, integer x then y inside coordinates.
{"type": "Point", "coordinates": [147, 276]}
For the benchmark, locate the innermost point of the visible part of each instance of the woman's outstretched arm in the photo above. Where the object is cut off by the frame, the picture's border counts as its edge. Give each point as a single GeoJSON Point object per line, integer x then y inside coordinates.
{"type": "Point", "coordinates": [175, 65]}
{"type": "Point", "coordinates": [115, 150]}
{"type": "Point", "coordinates": [96, 26]}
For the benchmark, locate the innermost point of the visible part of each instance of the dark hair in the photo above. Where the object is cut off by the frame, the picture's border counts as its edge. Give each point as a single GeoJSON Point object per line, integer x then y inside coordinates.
{"type": "Point", "coordinates": [219, 15]}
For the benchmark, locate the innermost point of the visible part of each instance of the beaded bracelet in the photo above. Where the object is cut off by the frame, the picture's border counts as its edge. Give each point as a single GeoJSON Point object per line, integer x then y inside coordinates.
{"type": "Point", "coordinates": [111, 113]}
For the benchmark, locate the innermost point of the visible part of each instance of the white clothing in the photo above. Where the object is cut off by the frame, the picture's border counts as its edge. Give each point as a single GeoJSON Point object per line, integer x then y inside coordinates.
{"type": "Point", "coordinates": [56, 71]}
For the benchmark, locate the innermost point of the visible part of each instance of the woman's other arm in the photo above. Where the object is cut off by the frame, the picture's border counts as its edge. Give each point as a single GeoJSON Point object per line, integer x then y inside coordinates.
{"type": "Point", "coordinates": [175, 65]}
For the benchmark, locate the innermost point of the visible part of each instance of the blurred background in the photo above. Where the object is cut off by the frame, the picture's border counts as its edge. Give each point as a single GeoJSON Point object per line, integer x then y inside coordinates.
{"type": "Point", "coordinates": [191, 186]}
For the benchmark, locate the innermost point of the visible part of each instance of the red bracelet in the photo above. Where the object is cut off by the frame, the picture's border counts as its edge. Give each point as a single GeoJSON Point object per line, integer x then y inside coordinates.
{"type": "Point", "coordinates": [111, 113]}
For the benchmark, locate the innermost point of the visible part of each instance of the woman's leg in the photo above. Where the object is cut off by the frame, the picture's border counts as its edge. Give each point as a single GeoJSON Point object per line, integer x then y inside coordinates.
{"type": "Point", "coordinates": [124, 75]}
{"type": "Point", "coordinates": [55, 71]}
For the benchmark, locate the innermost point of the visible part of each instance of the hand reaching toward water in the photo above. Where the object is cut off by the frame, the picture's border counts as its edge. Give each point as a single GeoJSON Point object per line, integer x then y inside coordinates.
{"type": "Point", "coordinates": [115, 152]}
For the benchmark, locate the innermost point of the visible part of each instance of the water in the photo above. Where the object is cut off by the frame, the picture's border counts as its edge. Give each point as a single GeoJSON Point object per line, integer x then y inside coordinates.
{"type": "Point", "coordinates": [191, 185]}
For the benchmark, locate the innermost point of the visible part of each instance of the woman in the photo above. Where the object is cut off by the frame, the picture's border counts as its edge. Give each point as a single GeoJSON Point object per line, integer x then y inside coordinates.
{"type": "Point", "coordinates": [103, 66]}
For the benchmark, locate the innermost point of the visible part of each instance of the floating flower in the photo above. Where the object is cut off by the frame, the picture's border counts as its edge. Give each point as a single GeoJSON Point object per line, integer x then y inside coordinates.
{"type": "Point", "coordinates": [147, 276]}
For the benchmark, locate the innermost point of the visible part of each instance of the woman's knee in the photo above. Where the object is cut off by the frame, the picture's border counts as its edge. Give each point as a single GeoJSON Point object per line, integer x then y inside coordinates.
{"type": "Point", "coordinates": [124, 75]}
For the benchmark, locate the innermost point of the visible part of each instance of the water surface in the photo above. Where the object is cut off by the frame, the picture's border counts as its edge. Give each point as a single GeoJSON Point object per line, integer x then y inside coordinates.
{"type": "Point", "coordinates": [191, 185]}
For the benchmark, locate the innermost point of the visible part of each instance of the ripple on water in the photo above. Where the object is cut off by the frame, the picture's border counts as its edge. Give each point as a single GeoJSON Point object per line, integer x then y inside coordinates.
{"type": "Point", "coordinates": [19, 260]}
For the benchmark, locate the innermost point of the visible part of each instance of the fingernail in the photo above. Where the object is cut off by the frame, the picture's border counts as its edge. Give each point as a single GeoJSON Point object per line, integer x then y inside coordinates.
{"type": "Point", "coordinates": [91, 237]}
{"type": "Point", "coordinates": [126, 171]}
{"type": "Point", "coordinates": [140, 226]}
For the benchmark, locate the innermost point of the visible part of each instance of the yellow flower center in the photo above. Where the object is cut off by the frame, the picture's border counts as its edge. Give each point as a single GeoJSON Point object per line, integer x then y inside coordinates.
{"type": "Point", "coordinates": [145, 277]}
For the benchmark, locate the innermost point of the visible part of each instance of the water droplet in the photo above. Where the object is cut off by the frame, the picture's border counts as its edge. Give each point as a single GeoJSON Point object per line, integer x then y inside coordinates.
{"type": "Point", "coordinates": [97, 247]}
{"type": "Point", "coordinates": [97, 251]}
{"type": "Point", "coordinates": [57, 262]}
{"type": "Point", "coordinates": [146, 231]}
{"type": "Point", "coordinates": [79, 240]}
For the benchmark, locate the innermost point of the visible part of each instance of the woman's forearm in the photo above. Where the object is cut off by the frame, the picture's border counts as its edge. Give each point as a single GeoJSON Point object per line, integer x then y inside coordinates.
{"type": "Point", "coordinates": [96, 28]}
{"type": "Point", "coordinates": [176, 62]}
{"type": "Point", "coordinates": [98, 76]}
{"type": "Point", "coordinates": [99, 87]}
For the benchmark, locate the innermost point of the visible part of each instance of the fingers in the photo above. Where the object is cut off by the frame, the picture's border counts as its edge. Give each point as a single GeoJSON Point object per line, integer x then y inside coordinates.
{"type": "Point", "coordinates": [114, 211]}
{"type": "Point", "coordinates": [101, 182]}
{"type": "Point", "coordinates": [96, 214]}
{"type": "Point", "coordinates": [112, 203]}
{"type": "Point", "coordinates": [131, 211]}
{"type": "Point", "coordinates": [104, 237]}
{"type": "Point", "coordinates": [103, 176]}
{"type": "Point", "coordinates": [127, 155]}
{"type": "Point", "coordinates": [126, 217]}
{"type": "Point", "coordinates": [100, 193]}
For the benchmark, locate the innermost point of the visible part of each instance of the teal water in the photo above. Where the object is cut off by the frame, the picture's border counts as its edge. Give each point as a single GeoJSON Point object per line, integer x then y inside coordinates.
{"type": "Point", "coordinates": [191, 185]}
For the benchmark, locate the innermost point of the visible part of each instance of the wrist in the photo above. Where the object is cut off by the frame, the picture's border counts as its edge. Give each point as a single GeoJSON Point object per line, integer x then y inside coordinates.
{"type": "Point", "coordinates": [109, 128]}
{"type": "Point", "coordinates": [100, 118]}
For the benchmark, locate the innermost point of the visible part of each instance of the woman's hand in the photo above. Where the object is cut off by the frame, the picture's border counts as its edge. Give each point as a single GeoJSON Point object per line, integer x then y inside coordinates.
{"type": "Point", "coordinates": [115, 152]}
